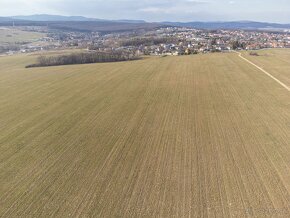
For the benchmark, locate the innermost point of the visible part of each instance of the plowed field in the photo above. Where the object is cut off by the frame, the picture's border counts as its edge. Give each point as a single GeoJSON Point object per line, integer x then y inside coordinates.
{"type": "Point", "coordinates": [195, 136]}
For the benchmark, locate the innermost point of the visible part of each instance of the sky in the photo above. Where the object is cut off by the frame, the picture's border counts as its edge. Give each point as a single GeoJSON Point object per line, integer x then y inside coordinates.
{"type": "Point", "coordinates": [156, 10]}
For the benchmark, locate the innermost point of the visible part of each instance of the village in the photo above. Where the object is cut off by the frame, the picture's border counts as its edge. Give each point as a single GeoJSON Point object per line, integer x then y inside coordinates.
{"type": "Point", "coordinates": [161, 41]}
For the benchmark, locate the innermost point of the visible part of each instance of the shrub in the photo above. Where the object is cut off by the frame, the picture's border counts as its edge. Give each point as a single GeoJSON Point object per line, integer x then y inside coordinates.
{"type": "Point", "coordinates": [254, 53]}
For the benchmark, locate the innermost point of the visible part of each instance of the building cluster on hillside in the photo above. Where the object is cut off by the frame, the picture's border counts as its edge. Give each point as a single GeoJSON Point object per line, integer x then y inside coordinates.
{"type": "Point", "coordinates": [163, 41]}
{"type": "Point", "coordinates": [180, 41]}
{"type": "Point", "coordinates": [191, 41]}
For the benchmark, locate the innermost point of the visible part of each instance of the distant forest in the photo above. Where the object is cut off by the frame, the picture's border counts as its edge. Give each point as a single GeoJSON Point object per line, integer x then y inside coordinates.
{"type": "Point", "coordinates": [103, 27]}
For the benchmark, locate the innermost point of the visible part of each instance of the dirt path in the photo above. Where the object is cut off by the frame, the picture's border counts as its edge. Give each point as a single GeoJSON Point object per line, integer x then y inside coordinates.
{"type": "Point", "coordinates": [264, 71]}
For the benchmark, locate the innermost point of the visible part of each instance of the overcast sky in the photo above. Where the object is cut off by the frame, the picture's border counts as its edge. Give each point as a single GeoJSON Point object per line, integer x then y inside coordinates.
{"type": "Point", "coordinates": [156, 10]}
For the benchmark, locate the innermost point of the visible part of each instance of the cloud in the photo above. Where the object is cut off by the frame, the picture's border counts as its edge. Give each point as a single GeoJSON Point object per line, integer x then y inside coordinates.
{"type": "Point", "coordinates": [151, 10]}
{"type": "Point", "coordinates": [155, 10]}
{"type": "Point", "coordinates": [173, 7]}
{"type": "Point", "coordinates": [198, 2]}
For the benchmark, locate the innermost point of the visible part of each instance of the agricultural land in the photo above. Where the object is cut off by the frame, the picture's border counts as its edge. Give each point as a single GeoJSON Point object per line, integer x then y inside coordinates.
{"type": "Point", "coordinates": [203, 135]}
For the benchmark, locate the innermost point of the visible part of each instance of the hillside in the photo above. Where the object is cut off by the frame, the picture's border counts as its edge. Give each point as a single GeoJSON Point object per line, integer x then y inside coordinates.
{"type": "Point", "coordinates": [6, 19]}
{"type": "Point", "coordinates": [48, 17]}
{"type": "Point", "coordinates": [88, 24]}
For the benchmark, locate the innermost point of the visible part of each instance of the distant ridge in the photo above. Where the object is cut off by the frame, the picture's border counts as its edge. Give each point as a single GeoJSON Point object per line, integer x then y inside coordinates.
{"type": "Point", "coordinates": [48, 17]}
{"type": "Point", "coordinates": [230, 25]}
{"type": "Point", "coordinates": [78, 23]}
{"type": "Point", "coordinates": [39, 19]}
{"type": "Point", "coordinates": [55, 18]}
{"type": "Point", "coordinates": [6, 19]}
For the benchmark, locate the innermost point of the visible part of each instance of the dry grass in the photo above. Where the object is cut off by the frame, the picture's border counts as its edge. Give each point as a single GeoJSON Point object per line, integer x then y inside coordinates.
{"type": "Point", "coordinates": [199, 136]}
{"type": "Point", "coordinates": [276, 61]}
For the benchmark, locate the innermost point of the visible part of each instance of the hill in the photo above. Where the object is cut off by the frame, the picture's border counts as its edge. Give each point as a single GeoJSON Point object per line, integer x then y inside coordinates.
{"type": "Point", "coordinates": [103, 26]}
{"type": "Point", "coordinates": [6, 19]}
{"type": "Point", "coordinates": [80, 23]}
{"type": "Point", "coordinates": [87, 26]}
{"type": "Point", "coordinates": [48, 17]}
{"type": "Point", "coordinates": [229, 25]}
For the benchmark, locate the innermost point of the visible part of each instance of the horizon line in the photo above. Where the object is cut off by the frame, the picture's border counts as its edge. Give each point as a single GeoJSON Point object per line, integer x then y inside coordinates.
{"type": "Point", "coordinates": [144, 20]}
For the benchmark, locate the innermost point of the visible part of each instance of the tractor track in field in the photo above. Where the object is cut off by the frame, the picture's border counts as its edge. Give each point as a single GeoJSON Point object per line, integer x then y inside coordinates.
{"type": "Point", "coordinates": [264, 71]}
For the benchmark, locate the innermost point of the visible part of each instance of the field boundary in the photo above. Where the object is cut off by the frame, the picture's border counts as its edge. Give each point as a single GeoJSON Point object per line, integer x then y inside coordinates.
{"type": "Point", "coordinates": [264, 71]}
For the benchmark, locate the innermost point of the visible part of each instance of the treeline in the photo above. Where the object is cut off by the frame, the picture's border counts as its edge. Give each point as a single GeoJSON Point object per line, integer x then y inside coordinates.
{"type": "Point", "coordinates": [83, 58]}
{"type": "Point", "coordinates": [148, 41]}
